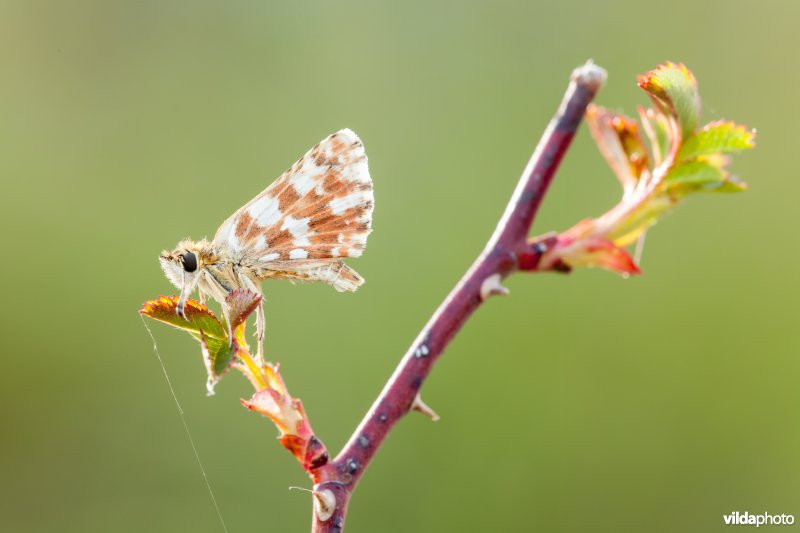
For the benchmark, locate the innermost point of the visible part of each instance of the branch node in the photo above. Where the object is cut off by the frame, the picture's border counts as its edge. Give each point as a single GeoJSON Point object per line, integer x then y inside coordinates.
{"type": "Point", "coordinates": [544, 243]}
{"type": "Point", "coordinates": [530, 253]}
{"type": "Point", "coordinates": [491, 286]}
{"type": "Point", "coordinates": [422, 407]}
{"type": "Point", "coordinates": [324, 503]}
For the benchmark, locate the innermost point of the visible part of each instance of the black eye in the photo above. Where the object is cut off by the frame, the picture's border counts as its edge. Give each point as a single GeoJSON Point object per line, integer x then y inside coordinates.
{"type": "Point", "coordinates": [189, 261]}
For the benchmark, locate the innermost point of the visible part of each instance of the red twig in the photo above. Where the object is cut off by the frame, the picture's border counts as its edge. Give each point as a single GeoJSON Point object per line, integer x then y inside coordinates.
{"type": "Point", "coordinates": [508, 250]}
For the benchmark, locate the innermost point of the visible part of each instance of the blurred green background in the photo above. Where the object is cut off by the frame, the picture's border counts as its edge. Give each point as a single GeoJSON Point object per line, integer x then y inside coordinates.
{"type": "Point", "coordinates": [580, 403]}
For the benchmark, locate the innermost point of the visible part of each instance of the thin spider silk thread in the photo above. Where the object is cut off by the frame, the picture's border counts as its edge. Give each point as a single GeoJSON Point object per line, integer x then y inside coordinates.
{"type": "Point", "coordinates": [185, 426]}
{"type": "Point", "coordinates": [637, 254]}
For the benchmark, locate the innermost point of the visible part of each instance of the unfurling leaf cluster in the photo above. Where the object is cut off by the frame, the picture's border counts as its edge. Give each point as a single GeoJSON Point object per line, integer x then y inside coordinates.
{"type": "Point", "coordinates": [659, 161]}
{"type": "Point", "coordinates": [224, 348]}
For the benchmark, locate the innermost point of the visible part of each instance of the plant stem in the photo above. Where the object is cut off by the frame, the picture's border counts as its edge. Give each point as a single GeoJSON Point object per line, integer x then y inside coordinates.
{"type": "Point", "coordinates": [507, 251]}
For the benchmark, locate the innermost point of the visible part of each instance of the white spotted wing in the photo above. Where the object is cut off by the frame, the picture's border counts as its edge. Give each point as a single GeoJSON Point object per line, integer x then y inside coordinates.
{"type": "Point", "coordinates": [314, 213]}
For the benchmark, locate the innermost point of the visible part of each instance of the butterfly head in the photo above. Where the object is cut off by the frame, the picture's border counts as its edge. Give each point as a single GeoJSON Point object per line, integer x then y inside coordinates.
{"type": "Point", "coordinates": [183, 266]}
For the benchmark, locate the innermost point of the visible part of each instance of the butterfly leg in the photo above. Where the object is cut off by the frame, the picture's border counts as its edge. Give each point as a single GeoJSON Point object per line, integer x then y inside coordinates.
{"type": "Point", "coordinates": [211, 286]}
{"type": "Point", "coordinates": [227, 316]}
{"type": "Point", "coordinates": [260, 327]}
{"type": "Point", "coordinates": [252, 286]}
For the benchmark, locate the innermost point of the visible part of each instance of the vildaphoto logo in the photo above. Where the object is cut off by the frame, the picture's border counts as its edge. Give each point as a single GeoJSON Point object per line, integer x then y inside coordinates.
{"type": "Point", "coordinates": [746, 519]}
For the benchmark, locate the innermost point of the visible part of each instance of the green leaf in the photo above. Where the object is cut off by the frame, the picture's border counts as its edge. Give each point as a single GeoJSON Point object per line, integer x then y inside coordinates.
{"type": "Point", "coordinates": [700, 176]}
{"type": "Point", "coordinates": [217, 358]}
{"type": "Point", "coordinates": [638, 221]}
{"type": "Point", "coordinates": [219, 352]}
{"type": "Point", "coordinates": [673, 89]}
{"type": "Point", "coordinates": [198, 316]}
{"type": "Point", "coordinates": [200, 323]}
{"type": "Point", "coordinates": [220, 355]}
{"type": "Point", "coordinates": [717, 137]}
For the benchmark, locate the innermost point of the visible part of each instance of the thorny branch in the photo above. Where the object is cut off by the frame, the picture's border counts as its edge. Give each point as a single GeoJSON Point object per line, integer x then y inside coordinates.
{"type": "Point", "coordinates": [679, 160]}
{"type": "Point", "coordinates": [508, 250]}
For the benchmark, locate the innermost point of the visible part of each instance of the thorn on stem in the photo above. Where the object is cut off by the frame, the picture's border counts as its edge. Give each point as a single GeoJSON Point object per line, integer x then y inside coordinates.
{"type": "Point", "coordinates": [423, 408]}
{"type": "Point", "coordinates": [324, 504]}
{"type": "Point", "coordinates": [491, 286]}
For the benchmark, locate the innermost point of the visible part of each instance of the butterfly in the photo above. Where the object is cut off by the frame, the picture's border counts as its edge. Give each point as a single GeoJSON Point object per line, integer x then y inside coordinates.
{"type": "Point", "coordinates": [299, 228]}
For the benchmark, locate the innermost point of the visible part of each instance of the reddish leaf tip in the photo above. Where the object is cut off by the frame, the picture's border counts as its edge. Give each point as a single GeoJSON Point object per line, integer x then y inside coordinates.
{"type": "Point", "coordinates": [241, 304]}
{"type": "Point", "coordinates": [651, 76]}
{"type": "Point", "coordinates": [170, 303]}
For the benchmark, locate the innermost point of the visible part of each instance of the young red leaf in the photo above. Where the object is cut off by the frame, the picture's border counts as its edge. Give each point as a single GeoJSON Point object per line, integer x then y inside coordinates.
{"type": "Point", "coordinates": [288, 415]}
{"type": "Point", "coordinates": [583, 246]}
{"type": "Point", "coordinates": [597, 253]}
{"type": "Point", "coordinates": [279, 408]}
{"type": "Point", "coordinates": [241, 303]}
{"type": "Point", "coordinates": [617, 137]}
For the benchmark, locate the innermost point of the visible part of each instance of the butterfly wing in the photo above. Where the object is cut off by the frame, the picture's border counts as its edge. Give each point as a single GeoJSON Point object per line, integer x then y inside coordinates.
{"type": "Point", "coordinates": [318, 210]}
